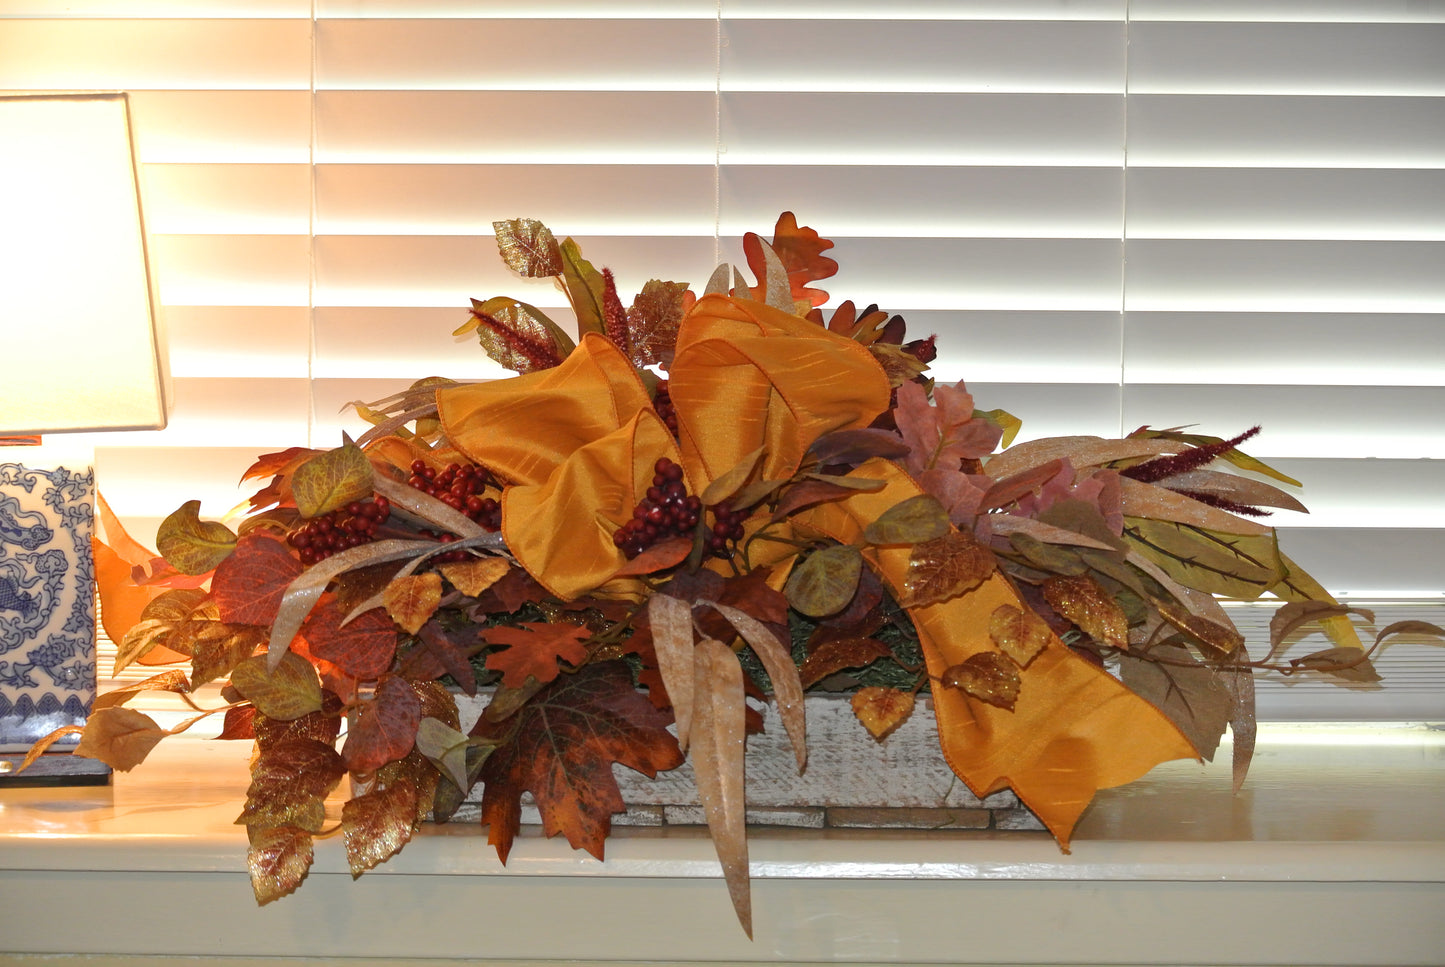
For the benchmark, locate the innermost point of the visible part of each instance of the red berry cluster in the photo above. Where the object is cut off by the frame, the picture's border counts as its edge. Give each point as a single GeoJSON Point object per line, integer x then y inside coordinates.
{"type": "Point", "coordinates": [344, 528]}
{"type": "Point", "coordinates": [727, 526]}
{"type": "Point", "coordinates": [662, 403]}
{"type": "Point", "coordinates": [461, 488]}
{"type": "Point", "coordinates": [666, 511]}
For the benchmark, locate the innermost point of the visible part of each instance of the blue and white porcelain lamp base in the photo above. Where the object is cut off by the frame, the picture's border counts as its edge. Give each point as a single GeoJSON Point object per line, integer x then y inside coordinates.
{"type": "Point", "coordinates": [47, 614]}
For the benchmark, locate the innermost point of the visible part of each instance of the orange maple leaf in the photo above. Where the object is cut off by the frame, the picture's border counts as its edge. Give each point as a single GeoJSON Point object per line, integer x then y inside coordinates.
{"type": "Point", "coordinates": [533, 648]}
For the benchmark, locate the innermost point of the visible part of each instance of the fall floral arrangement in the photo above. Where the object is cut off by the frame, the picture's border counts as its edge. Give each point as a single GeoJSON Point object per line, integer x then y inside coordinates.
{"type": "Point", "coordinates": [704, 498]}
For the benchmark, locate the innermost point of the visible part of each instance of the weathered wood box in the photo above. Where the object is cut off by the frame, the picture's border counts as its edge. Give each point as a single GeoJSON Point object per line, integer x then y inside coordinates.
{"type": "Point", "coordinates": [851, 780]}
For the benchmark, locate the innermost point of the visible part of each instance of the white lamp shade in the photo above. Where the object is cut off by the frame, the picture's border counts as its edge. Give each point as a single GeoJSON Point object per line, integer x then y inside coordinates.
{"type": "Point", "coordinates": [77, 330]}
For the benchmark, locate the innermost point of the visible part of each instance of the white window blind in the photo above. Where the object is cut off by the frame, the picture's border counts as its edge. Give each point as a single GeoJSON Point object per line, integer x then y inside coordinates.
{"type": "Point", "coordinates": [1165, 212]}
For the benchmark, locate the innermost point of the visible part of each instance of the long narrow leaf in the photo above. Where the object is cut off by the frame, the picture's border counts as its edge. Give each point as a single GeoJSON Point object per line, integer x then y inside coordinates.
{"type": "Point", "coordinates": [719, 735]}
{"type": "Point", "coordinates": [787, 684]}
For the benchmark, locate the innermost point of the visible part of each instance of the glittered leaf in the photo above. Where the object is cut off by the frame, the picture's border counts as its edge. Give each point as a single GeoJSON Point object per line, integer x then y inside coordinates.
{"type": "Point", "coordinates": [653, 320]}
{"type": "Point", "coordinates": [119, 737]}
{"type": "Point", "coordinates": [945, 567]}
{"type": "Point", "coordinates": [362, 648]}
{"type": "Point", "coordinates": [332, 480]}
{"type": "Point", "coordinates": [825, 581]}
{"type": "Point", "coordinates": [519, 336]}
{"type": "Point", "coordinates": [158, 622]}
{"type": "Point", "coordinates": [290, 781]}
{"type": "Point", "coordinates": [1082, 600]}
{"type": "Point", "coordinates": [834, 654]}
{"type": "Point", "coordinates": [249, 584]}
{"type": "Point", "coordinates": [191, 545]}
{"type": "Point", "coordinates": [1218, 640]}
{"type": "Point", "coordinates": [1194, 696]}
{"type": "Point", "coordinates": [528, 247]}
{"type": "Point", "coordinates": [987, 676]}
{"type": "Point", "coordinates": [474, 576]}
{"type": "Point", "coordinates": [411, 600]}
{"type": "Point", "coordinates": [882, 710]}
{"type": "Point", "coordinates": [562, 747]}
{"type": "Point", "coordinates": [239, 723]}
{"type": "Point", "coordinates": [278, 859]}
{"type": "Point", "coordinates": [1019, 633]}
{"type": "Point", "coordinates": [910, 521]}
{"type": "Point", "coordinates": [289, 692]}
{"type": "Point", "coordinates": [534, 648]}
{"type": "Point", "coordinates": [385, 727]}
{"type": "Point", "coordinates": [1233, 565]}
{"type": "Point", "coordinates": [376, 825]}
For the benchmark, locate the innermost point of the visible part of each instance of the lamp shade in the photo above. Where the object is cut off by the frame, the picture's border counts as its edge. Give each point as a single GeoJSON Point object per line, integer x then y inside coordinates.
{"type": "Point", "coordinates": [77, 327]}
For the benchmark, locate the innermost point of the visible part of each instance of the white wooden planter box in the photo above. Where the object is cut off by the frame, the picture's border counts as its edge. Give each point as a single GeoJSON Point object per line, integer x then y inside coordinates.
{"type": "Point", "coordinates": [851, 780]}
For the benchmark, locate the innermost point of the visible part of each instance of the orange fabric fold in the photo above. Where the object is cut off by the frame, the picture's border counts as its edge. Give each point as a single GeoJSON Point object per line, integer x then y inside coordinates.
{"type": "Point", "coordinates": [1074, 729]}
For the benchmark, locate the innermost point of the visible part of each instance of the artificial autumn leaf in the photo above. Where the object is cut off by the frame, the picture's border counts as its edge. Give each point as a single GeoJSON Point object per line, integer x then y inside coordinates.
{"type": "Point", "coordinates": [362, 647]}
{"type": "Point", "coordinates": [445, 747]}
{"type": "Point", "coordinates": [835, 654]}
{"type": "Point", "coordinates": [564, 742]}
{"type": "Point", "coordinates": [1233, 565]}
{"type": "Point", "coordinates": [807, 493]}
{"type": "Point", "coordinates": [191, 545]}
{"type": "Point", "coordinates": [719, 734]}
{"type": "Point", "coordinates": [378, 824]}
{"type": "Point", "coordinates": [899, 365]}
{"type": "Point", "coordinates": [852, 447]}
{"type": "Point", "coordinates": [1019, 633]}
{"type": "Point", "coordinates": [278, 859]}
{"type": "Point", "coordinates": [158, 621]}
{"type": "Point", "coordinates": [385, 727]}
{"type": "Point", "coordinates": [1193, 695]}
{"type": "Point", "coordinates": [945, 567]}
{"type": "Point", "coordinates": [671, 630]}
{"type": "Point", "coordinates": [1234, 488]}
{"type": "Point", "coordinates": [1080, 451]}
{"type": "Point", "coordinates": [987, 676]}
{"type": "Point", "coordinates": [882, 710]}
{"type": "Point", "coordinates": [323, 726]}
{"type": "Point", "coordinates": [238, 723]}
{"type": "Point", "coordinates": [288, 692]}
{"type": "Point", "coordinates": [435, 654]}
{"type": "Point", "coordinates": [1011, 489]}
{"type": "Point", "coordinates": [1216, 639]}
{"type": "Point", "coordinates": [1292, 615]}
{"type": "Point", "coordinates": [910, 521]}
{"type": "Point", "coordinates": [528, 247]}
{"type": "Point", "coordinates": [331, 480]}
{"type": "Point", "coordinates": [120, 737]}
{"type": "Point", "coordinates": [944, 434]}
{"type": "Point", "coordinates": [658, 557]}
{"type": "Point", "coordinates": [1350, 664]}
{"type": "Point", "coordinates": [534, 649]}
{"type": "Point", "coordinates": [38, 747]}
{"type": "Point", "coordinates": [800, 249]}
{"type": "Point", "coordinates": [518, 336]}
{"type": "Point", "coordinates": [1298, 586]}
{"type": "Point", "coordinates": [1084, 601]}
{"type": "Point", "coordinates": [472, 577]}
{"type": "Point", "coordinates": [1159, 503]}
{"type": "Point", "coordinates": [825, 581]}
{"type": "Point", "coordinates": [290, 781]}
{"type": "Point", "coordinates": [412, 599]}
{"type": "Point", "coordinates": [173, 680]}
{"type": "Point", "coordinates": [585, 287]}
{"type": "Point", "coordinates": [726, 484]}
{"type": "Point", "coordinates": [249, 584]}
{"type": "Point", "coordinates": [653, 320]}
{"type": "Point", "coordinates": [279, 467]}
{"type": "Point", "coordinates": [777, 659]}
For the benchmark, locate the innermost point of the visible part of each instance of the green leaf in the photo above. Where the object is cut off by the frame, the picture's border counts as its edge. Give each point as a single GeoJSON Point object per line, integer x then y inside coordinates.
{"type": "Point", "coordinates": [1005, 421]}
{"type": "Point", "coordinates": [332, 480]}
{"type": "Point", "coordinates": [1235, 565]}
{"type": "Point", "coordinates": [825, 581]}
{"type": "Point", "coordinates": [191, 545]}
{"type": "Point", "coordinates": [445, 747]}
{"type": "Point", "coordinates": [730, 482]}
{"type": "Point", "coordinates": [585, 286]}
{"type": "Point", "coordinates": [285, 694]}
{"type": "Point", "coordinates": [911, 521]}
{"type": "Point", "coordinates": [1298, 585]}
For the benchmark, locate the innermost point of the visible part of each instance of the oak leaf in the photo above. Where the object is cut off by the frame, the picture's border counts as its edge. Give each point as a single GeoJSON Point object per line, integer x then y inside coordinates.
{"type": "Point", "coordinates": [800, 249]}
{"type": "Point", "coordinates": [987, 676]}
{"type": "Point", "coordinates": [533, 648]}
{"type": "Point", "coordinates": [249, 584]}
{"type": "Point", "coordinates": [412, 599]}
{"type": "Point", "coordinates": [378, 824]}
{"type": "Point", "coordinates": [882, 710]}
{"type": "Point", "coordinates": [279, 858]}
{"type": "Point", "coordinates": [385, 727]}
{"type": "Point", "coordinates": [943, 434]}
{"type": "Point", "coordinates": [945, 567]}
{"type": "Point", "coordinates": [562, 750]}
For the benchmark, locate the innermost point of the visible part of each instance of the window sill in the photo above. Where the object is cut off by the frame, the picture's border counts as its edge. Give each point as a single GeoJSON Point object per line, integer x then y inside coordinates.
{"type": "Point", "coordinates": [1333, 853]}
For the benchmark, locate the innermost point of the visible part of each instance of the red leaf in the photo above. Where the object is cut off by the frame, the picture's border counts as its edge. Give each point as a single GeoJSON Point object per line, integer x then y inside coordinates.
{"type": "Point", "coordinates": [533, 649]}
{"type": "Point", "coordinates": [513, 590]}
{"type": "Point", "coordinates": [385, 727]}
{"type": "Point", "coordinates": [248, 585]}
{"type": "Point", "coordinates": [945, 434]}
{"type": "Point", "coordinates": [238, 723]}
{"type": "Point", "coordinates": [801, 252]}
{"type": "Point", "coordinates": [566, 740]}
{"type": "Point", "coordinates": [364, 648]}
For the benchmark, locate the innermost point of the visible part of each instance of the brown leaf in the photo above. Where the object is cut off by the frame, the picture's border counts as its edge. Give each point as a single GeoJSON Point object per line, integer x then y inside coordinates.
{"type": "Point", "coordinates": [239, 723]}
{"type": "Point", "coordinates": [191, 545]}
{"type": "Point", "coordinates": [1235, 488]}
{"type": "Point", "coordinates": [670, 621]}
{"type": "Point", "coordinates": [290, 781]}
{"type": "Point", "coordinates": [362, 648]}
{"type": "Point", "coordinates": [1292, 615]}
{"type": "Point", "coordinates": [717, 761]}
{"type": "Point", "coordinates": [249, 584]}
{"type": "Point", "coordinates": [565, 741]}
{"type": "Point", "coordinates": [653, 320]}
{"type": "Point", "coordinates": [987, 676]}
{"type": "Point", "coordinates": [385, 727]}
{"type": "Point", "coordinates": [220, 647]}
{"type": "Point", "coordinates": [800, 250]}
{"type": "Point", "coordinates": [1081, 451]}
{"type": "Point", "coordinates": [782, 673]}
{"type": "Point", "coordinates": [806, 494]}
{"type": "Point", "coordinates": [728, 483]}
{"type": "Point", "coordinates": [37, 749]}
{"type": "Point", "coordinates": [534, 648]}
{"type": "Point", "coordinates": [945, 567]}
{"type": "Point", "coordinates": [173, 680]}
{"type": "Point", "coordinates": [1350, 664]}
{"type": "Point", "coordinates": [1215, 639]}
{"type": "Point", "coordinates": [323, 726]}
{"type": "Point", "coordinates": [945, 434]}
{"type": "Point", "coordinates": [1019, 633]}
{"type": "Point", "coordinates": [1195, 698]}
{"type": "Point", "coordinates": [289, 692]}
{"type": "Point", "coordinates": [835, 654]}
{"type": "Point", "coordinates": [852, 447]}
{"type": "Point", "coordinates": [658, 557]}
{"type": "Point", "coordinates": [119, 737]}
{"type": "Point", "coordinates": [474, 576]}
{"type": "Point", "coordinates": [411, 600]}
{"type": "Point", "coordinates": [376, 825]}
{"type": "Point", "coordinates": [1159, 503]}
{"type": "Point", "coordinates": [910, 521]}
{"type": "Point", "coordinates": [882, 710]}
{"type": "Point", "coordinates": [528, 247]}
{"type": "Point", "coordinates": [279, 858]}
{"type": "Point", "coordinates": [1084, 601]}
{"type": "Point", "coordinates": [158, 623]}
{"type": "Point", "coordinates": [825, 581]}
{"type": "Point", "coordinates": [331, 480]}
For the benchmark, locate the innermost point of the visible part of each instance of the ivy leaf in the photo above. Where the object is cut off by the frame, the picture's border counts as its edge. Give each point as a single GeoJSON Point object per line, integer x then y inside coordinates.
{"type": "Point", "coordinates": [191, 545]}
{"type": "Point", "coordinates": [564, 742]}
{"type": "Point", "coordinates": [412, 599]}
{"type": "Point", "coordinates": [825, 581]}
{"type": "Point", "coordinates": [474, 576]}
{"type": "Point", "coordinates": [159, 620]}
{"type": "Point", "coordinates": [289, 692]}
{"type": "Point", "coordinates": [120, 737]}
{"type": "Point", "coordinates": [1082, 600]}
{"type": "Point", "coordinates": [332, 480]}
{"type": "Point", "coordinates": [987, 676]}
{"type": "Point", "coordinates": [518, 336]}
{"type": "Point", "coordinates": [528, 247]}
{"type": "Point", "coordinates": [279, 858]}
{"type": "Point", "coordinates": [882, 710]}
{"type": "Point", "coordinates": [944, 568]}
{"type": "Point", "coordinates": [362, 648]}
{"type": "Point", "coordinates": [653, 320]}
{"type": "Point", "coordinates": [249, 584]}
{"type": "Point", "coordinates": [385, 727]}
{"type": "Point", "coordinates": [1018, 633]}
{"type": "Point", "coordinates": [534, 649]}
{"type": "Point", "coordinates": [910, 521]}
{"type": "Point", "coordinates": [378, 824]}
{"type": "Point", "coordinates": [1193, 695]}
